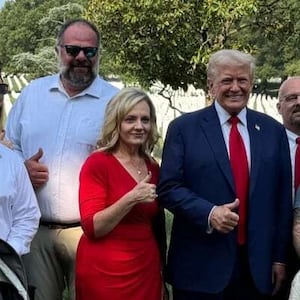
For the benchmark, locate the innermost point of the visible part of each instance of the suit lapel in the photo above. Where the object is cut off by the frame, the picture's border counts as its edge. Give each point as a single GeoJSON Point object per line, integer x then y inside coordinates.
{"type": "Point", "coordinates": [213, 132]}
{"type": "Point", "coordinates": [255, 135]}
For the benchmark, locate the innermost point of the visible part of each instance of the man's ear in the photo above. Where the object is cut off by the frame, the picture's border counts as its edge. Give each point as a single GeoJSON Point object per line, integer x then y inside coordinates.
{"type": "Point", "coordinates": [278, 105]}
{"type": "Point", "coordinates": [210, 86]}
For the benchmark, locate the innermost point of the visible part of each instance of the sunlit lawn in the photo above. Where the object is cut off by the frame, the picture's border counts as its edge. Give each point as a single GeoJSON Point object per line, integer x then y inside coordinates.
{"type": "Point", "coordinates": [66, 295]}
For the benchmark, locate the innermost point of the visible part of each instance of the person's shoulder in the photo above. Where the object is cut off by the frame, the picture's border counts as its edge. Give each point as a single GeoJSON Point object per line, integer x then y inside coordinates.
{"type": "Point", "coordinates": [152, 162]}
{"type": "Point", "coordinates": [9, 156]}
{"type": "Point", "coordinates": [4, 150]}
{"type": "Point", "coordinates": [99, 157]}
{"type": "Point", "coordinates": [97, 162]}
{"type": "Point", "coordinates": [102, 89]}
{"type": "Point", "coordinates": [45, 82]}
{"type": "Point", "coordinates": [191, 117]}
{"type": "Point", "coordinates": [44, 79]}
{"type": "Point", "coordinates": [265, 119]}
{"type": "Point", "coordinates": [106, 86]}
{"type": "Point", "coordinates": [153, 166]}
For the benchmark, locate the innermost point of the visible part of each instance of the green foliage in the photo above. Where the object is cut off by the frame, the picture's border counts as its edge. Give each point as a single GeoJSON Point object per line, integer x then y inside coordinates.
{"type": "Point", "coordinates": [166, 41]}
{"type": "Point", "coordinates": [40, 64]}
{"type": "Point", "coordinates": [293, 67]}
{"type": "Point", "coordinates": [27, 27]}
{"type": "Point", "coordinates": [146, 41]}
{"type": "Point", "coordinates": [56, 16]}
{"type": "Point", "coordinates": [273, 33]}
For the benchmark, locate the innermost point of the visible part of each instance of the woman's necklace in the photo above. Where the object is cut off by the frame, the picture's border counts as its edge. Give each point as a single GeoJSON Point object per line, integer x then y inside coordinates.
{"type": "Point", "coordinates": [134, 165]}
{"type": "Point", "coordinates": [137, 166]}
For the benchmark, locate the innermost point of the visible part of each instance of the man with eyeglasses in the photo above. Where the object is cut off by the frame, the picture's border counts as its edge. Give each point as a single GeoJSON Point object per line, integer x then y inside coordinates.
{"type": "Point", "coordinates": [54, 125]}
{"type": "Point", "coordinates": [289, 108]}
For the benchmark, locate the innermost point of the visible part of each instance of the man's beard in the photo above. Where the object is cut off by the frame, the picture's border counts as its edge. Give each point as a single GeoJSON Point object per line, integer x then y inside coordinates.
{"type": "Point", "coordinates": [76, 79]}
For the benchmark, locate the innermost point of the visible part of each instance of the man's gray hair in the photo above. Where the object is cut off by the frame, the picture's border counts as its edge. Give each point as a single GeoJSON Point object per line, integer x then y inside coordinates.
{"type": "Point", "coordinates": [228, 57]}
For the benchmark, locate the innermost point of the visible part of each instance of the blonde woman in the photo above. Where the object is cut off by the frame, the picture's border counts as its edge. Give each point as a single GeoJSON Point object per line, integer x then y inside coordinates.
{"type": "Point", "coordinates": [119, 255]}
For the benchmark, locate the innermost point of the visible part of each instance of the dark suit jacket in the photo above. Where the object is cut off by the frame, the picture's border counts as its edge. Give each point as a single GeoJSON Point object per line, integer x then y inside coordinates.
{"type": "Point", "coordinates": [196, 175]}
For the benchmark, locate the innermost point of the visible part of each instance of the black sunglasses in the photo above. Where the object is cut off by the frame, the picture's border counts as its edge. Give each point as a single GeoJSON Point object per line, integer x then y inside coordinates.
{"type": "Point", "coordinates": [71, 50]}
{"type": "Point", "coordinates": [3, 88]}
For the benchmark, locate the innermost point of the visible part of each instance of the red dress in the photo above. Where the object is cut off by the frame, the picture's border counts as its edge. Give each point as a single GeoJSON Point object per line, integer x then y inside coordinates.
{"type": "Point", "coordinates": [125, 263]}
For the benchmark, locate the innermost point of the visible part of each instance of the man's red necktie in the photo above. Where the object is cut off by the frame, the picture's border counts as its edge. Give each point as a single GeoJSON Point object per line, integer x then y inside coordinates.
{"type": "Point", "coordinates": [239, 165]}
{"type": "Point", "coordinates": [297, 165]}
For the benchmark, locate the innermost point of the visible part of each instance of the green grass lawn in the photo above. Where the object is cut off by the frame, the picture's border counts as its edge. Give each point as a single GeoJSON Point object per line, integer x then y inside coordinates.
{"type": "Point", "coordinates": [66, 295]}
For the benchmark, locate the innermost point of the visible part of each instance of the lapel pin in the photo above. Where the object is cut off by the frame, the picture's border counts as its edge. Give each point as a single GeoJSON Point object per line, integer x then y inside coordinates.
{"type": "Point", "coordinates": [257, 127]}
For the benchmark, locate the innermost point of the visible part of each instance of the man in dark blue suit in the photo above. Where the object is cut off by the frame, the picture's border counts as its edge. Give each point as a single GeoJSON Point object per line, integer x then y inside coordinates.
{"type": "Point", "coordinates": [207, 259]}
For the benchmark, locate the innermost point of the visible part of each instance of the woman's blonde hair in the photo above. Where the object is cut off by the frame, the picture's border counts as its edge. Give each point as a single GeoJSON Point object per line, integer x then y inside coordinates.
{"type": "Point", "coordinates": [116, 110]}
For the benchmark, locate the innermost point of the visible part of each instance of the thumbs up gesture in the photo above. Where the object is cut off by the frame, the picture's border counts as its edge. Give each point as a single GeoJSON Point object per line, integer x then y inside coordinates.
{"type": "Point", "coordinates": [145, 191]}
{"type": "Point", "coordinates": [224, 217]}
{"type": "Point", "coordinates": [37, 171]}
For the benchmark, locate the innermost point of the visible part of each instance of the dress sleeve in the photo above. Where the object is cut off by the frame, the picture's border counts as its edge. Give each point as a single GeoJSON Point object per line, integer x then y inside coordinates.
{"type": "Point", "coordinates": [92, 191]}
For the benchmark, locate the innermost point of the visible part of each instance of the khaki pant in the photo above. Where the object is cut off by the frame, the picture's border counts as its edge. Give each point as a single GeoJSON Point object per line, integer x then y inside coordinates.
{"type": "Point", "coordinates": [50, 265]}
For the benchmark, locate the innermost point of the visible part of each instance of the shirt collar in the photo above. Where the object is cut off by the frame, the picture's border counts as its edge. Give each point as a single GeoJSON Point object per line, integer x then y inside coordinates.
{"type": "Point", "coordinates": [291, 136]}
{"type": "Point", "coordinates": [224, 115]}
{"type": "Point", "coordinates": [92, 90]}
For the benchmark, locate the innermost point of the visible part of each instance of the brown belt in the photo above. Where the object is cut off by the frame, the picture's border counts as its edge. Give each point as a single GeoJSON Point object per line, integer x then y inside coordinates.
{"type": "Point", "coordinates": [55, 225]}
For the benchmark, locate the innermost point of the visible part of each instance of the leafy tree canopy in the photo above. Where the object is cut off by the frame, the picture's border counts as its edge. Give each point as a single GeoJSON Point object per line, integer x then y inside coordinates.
{"type": "Point", "coordinates": [27, 28]}
{"type": "Point", "coordinates": [148, 41]}
{"type": "Point", "coordinates": [167, 41]}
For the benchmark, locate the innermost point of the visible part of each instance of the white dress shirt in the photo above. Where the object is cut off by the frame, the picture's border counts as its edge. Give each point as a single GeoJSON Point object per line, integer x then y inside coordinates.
{"type": "Point", "coordinates": [293, 146]}
{"type": "Point", "coordinates": [224, 117]}
{"type": "Point", "coordinates": [19, 211]}
{"type": "Point", "coordinates": [67, 129]}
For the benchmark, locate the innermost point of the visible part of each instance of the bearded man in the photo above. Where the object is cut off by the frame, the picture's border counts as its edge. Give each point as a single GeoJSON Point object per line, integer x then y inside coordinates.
{"type": "Point", "coordinates": [289, 108]}
{"type": "Point", "coordinates": [54, 126]}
